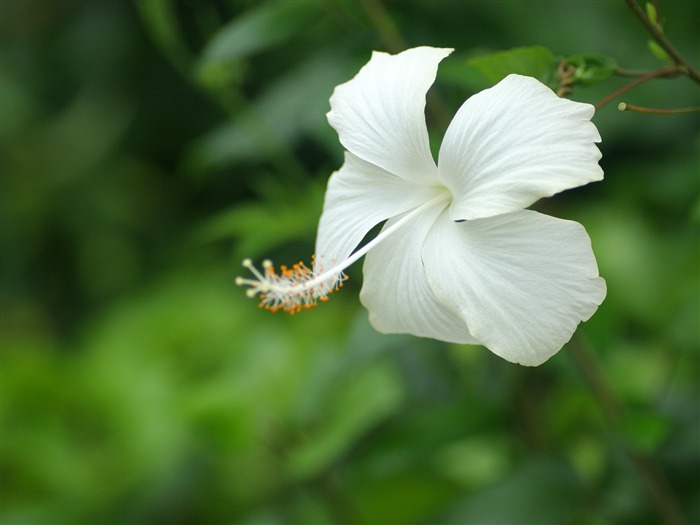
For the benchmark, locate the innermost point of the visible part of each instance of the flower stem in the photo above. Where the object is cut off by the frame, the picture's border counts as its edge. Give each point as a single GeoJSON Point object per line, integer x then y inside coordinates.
{"type": "Point", "coordinates": [622, 72]}
{"type": "Point", "coordinates": [663, 72]}
{"type": "Point", "coordinates": [664, 42]}
{"type": "Point", "coordinates": [655, 482]}
{"type": "Point", "coordinates": [623, 106]}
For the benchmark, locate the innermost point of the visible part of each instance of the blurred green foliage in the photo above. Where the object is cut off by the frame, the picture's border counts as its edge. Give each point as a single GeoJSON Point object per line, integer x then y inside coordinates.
{"type": "Point", "coordinates": [147, 147]}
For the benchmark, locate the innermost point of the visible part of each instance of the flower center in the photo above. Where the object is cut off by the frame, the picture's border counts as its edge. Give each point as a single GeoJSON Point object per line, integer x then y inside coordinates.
{"type": "Point", "coordinates": [299, 287]}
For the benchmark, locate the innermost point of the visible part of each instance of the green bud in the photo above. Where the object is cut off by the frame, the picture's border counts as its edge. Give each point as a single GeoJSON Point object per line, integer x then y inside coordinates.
{"type": "Point", "coordinates": [659, 52]}
{"type": "Point", "coordinates": [591, 69]}
{"type": "Point", "coordinates": [653, 16]}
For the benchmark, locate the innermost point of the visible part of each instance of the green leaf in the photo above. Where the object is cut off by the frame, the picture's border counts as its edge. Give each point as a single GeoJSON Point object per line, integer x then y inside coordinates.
{"type": "Point", "coordinates": [645, 431]}
{"type": "Point", "coordinates": [475, 461]}
{"type": "Point", "coordinates": [659, 52]}
{"type": "Point", "coordinates": [535, 61]}
{"type": "Point", "coordinates": [539, 491]}
{"type": "Point", "coordinates": [356, 406]}
{"type": "Point", "coordinates": [255, 31]}
{"type": "Point", "coordinates": [591, 69]}
{"type": "Point", "coordinates": [653, 16]}
{"type": "Point", "coordinates": [695, 212]}
{"type": "Point", "coordinates": [296, 103]}
{"type": "Point", "coordinates": [161, 21]}
{"type": "Point", "coordinates": [264, 225]}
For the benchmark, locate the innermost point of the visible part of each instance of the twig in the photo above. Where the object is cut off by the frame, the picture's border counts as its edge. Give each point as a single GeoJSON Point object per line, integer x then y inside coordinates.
{"type": "Point", "coordinates": [623, 106]}
{"type": "Point", "coordinates": [664, 42]}
{"type": "Point", "coordinates": [663, 72]}
{"type": "Point", "coordinates": [565, 72]}
{"type": "Point", "coordinates": [622, 72]}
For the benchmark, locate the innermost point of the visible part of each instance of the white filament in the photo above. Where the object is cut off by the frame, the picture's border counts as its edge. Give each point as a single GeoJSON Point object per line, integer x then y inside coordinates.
{"type": "Point", "coordinates": [298, 287]}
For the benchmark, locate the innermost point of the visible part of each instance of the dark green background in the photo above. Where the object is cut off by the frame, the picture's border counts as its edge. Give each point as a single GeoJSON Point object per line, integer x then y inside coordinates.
{"type": "Point", "coordinates": [148, 147]}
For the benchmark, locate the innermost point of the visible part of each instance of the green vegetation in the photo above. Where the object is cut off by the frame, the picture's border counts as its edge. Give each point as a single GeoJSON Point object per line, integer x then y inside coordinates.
{"type": "Point", "coordinates": [148, 147]}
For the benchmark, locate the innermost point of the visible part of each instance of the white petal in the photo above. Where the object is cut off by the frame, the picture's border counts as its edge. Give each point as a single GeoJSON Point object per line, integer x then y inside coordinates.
{"type": "Point", "coordinates": [514, 143]}
{"type": "Point", "coordinates": [522, 281]}
{"type": "Point", "coordinates": [360, 196]}
{"type": "Point", "coordinates": [396, 292]}
{"type": "Point", "coordinates": [380, 114]}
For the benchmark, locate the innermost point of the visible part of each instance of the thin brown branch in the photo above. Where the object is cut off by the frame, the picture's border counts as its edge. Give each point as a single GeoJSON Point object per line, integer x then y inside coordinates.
{"type": "Point", "coordinates": [565, 72]}
{"type": "Point", "coordinates": [623, 106]}
{"type": "Point", "coordinates": [622, 72]}
{"type": "Point", "coordinates": [663, 72]}
{"type": "Point", "coordinates": [664, 42]}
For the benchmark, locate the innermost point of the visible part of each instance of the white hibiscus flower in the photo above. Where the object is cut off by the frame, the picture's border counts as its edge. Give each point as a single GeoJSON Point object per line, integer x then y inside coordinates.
{"type": "Point", "coordinates": [458, 259]}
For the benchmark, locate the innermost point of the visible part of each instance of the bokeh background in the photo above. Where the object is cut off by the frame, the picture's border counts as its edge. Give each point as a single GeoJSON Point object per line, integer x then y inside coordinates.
{"type": "Point", "coordinates": [149, 146]}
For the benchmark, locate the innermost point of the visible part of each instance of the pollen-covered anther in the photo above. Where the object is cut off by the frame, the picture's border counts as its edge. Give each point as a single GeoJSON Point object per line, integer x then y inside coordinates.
{"type": "Point", "coordinates": [293, 289]}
